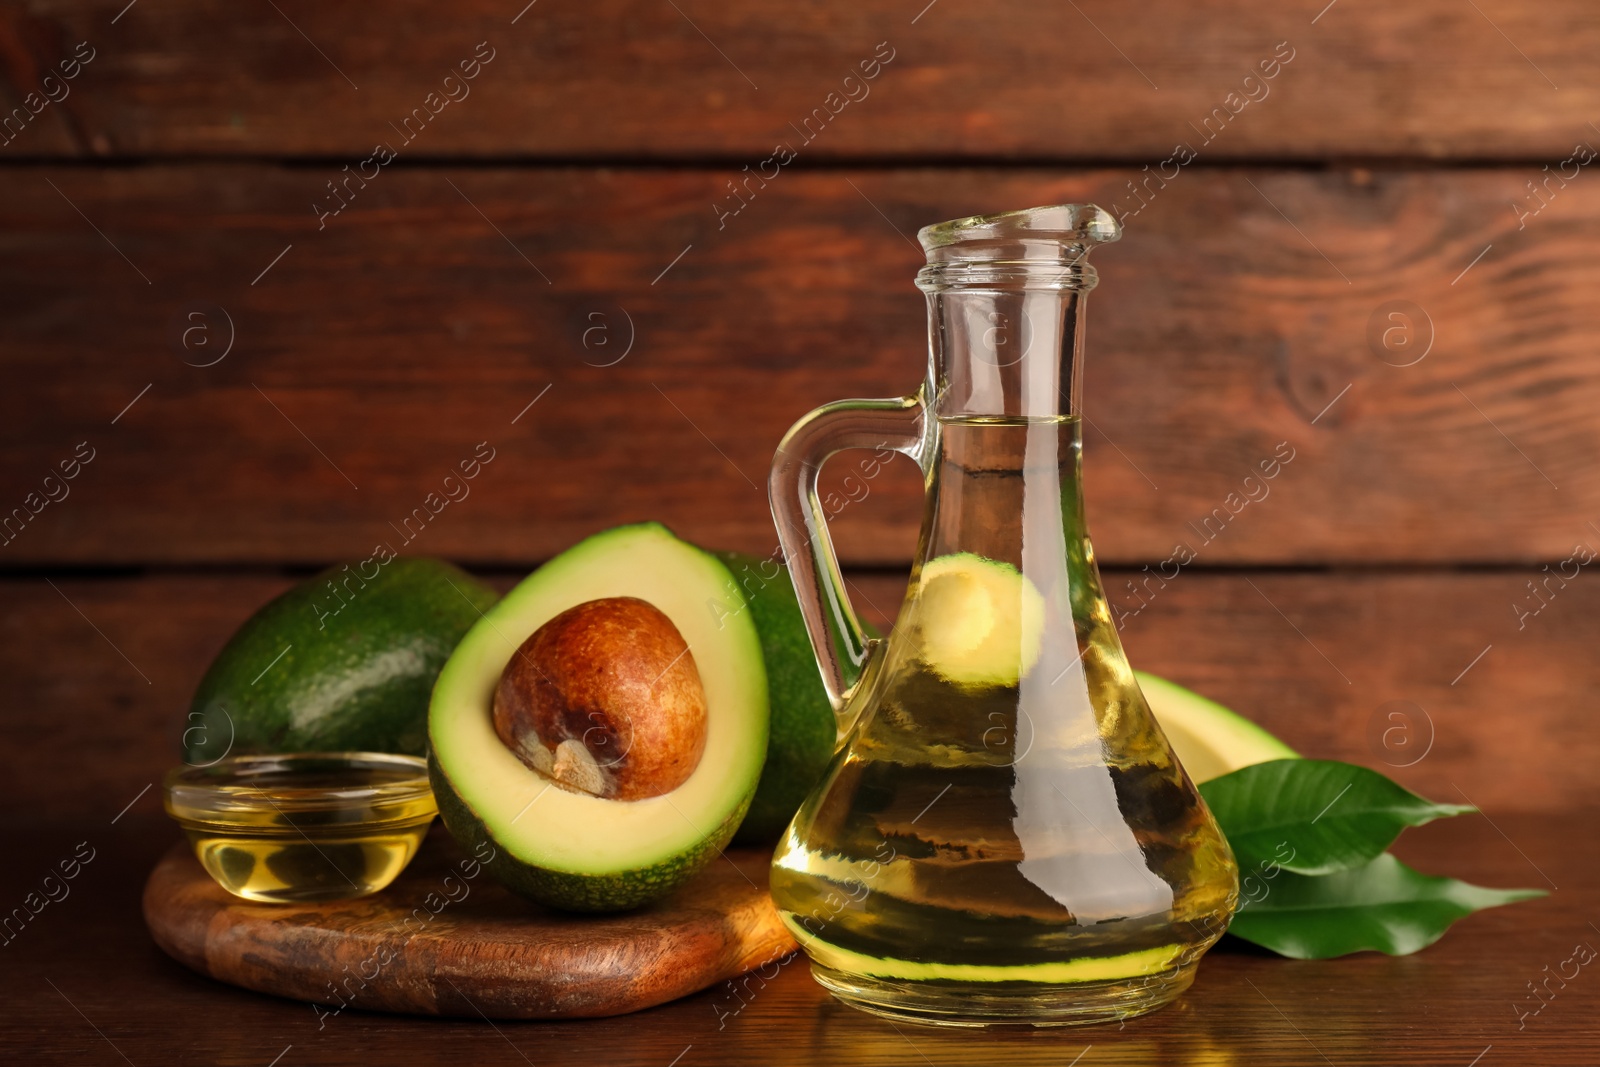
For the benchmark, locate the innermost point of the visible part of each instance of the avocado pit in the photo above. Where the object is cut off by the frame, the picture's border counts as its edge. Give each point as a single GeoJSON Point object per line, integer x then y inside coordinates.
{"type": "Point", "coordinates": [605, 699]}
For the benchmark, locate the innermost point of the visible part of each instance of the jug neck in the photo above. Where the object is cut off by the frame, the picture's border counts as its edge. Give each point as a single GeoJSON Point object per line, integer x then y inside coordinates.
{"type": "Point", "coordinates": [1006, 296]}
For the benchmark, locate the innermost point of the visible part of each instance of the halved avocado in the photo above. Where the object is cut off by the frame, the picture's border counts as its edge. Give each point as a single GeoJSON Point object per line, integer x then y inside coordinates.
{"type": "Point", "coordinates": [979, 621]}
{"type": "Point", "coordinates": [1209, 739]}
{"type": "Point", "coordinates": [568, 849]}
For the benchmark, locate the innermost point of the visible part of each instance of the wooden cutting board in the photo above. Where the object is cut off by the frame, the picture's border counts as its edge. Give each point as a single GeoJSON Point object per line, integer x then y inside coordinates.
{"type": "Point", "coordinates": [439, 943]}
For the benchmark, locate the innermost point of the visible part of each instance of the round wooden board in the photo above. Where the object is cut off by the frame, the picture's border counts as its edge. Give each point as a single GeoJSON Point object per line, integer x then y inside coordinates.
{"type": "Point", "coordinates": [486, 952]}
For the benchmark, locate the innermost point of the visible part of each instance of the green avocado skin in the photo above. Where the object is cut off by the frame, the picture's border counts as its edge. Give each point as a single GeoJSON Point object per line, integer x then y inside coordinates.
{"type": "Point", "coordinates": [803, 731]}
{"type": "Point", "coordinates": [566, 890]}
{"type": "Point", "coordinates": [317, 670]}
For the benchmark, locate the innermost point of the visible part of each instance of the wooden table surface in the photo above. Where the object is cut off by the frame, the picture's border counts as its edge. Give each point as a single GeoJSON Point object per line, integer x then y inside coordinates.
{"type": "Point", "coordinates": [83, 983]}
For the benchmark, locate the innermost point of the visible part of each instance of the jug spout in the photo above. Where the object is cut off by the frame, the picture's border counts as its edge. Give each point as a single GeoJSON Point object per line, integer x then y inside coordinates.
{"type": "Point", "coordinates": [1035, 237]}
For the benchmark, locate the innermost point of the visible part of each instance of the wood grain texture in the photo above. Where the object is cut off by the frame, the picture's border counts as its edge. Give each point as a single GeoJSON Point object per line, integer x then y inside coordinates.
{"type": "Point", "coordinates": [630, 78]}
{"type": "Point", "coordinates": [1510, 731]}
{"type": "Point", "coordinates": [460, 945]}
{"type": "Point", "coordinates": [83, 983]}
{"type": "Point", "coordinates": [1238, 313]}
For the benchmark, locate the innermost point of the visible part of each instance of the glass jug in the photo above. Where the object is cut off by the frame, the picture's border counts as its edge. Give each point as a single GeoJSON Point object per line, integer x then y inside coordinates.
{"type": "Point", "coordinates": [1005, 834]}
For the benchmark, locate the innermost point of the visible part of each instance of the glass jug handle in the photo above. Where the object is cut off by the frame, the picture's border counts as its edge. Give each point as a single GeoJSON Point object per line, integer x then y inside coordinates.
{"type": "Point", "coordinates": [842, 648]}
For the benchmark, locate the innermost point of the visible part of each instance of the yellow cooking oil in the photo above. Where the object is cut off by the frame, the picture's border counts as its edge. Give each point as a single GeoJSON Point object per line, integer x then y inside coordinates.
{"type": "Point", "coordinates": [1005, 833]}
{"type": "Point", "coordinates": [307, 828]}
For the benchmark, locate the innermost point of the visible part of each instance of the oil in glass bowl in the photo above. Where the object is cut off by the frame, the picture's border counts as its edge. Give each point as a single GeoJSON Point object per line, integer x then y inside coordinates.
{"type": "Point", "coordinates": [304, 827]}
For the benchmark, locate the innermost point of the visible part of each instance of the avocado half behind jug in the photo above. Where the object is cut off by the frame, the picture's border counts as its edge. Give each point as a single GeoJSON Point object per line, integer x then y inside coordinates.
{"type": "Point", "coordinates": [1005, 834]}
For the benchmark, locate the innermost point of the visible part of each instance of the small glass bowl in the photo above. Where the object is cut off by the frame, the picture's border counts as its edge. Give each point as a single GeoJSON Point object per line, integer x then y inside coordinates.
{"type": "Point", "coordinates": [305, 826]}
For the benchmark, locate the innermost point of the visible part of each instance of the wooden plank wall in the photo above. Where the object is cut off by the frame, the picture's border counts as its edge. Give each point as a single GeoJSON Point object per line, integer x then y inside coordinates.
{"type": "Point", "coordinates": [268, 274]}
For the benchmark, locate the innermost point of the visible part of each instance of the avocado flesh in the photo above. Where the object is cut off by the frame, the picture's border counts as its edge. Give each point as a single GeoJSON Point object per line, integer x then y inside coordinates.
{"type": "Point", "coordinates": [1209, 739]}
{"type": "Point", "coordinates": [586, 853]}
{"type": "Point", "coordinates": [979, 621]}
{"type": "Point", "coordinates": [343, 668]}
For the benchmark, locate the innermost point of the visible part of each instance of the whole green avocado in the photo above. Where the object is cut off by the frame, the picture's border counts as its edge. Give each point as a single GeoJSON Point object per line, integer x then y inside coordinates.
{"type": "Point", "coordinates": [803, 730]}
{"type": "Point", "coordinates": [343, 661]}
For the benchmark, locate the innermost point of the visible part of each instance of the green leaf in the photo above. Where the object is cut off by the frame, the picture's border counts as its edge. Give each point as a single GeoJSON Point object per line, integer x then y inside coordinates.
{"type": "Point", "coordinates": [1313, 816]}
{"type": "Point", "coordinates": [1383, 906]}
